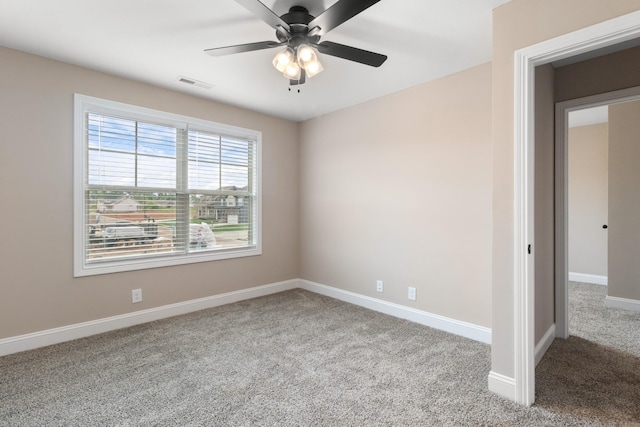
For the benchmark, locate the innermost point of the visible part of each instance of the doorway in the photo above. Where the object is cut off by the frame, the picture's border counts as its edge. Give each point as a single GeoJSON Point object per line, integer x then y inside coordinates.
{"type": "Point", "coordinates": [601, 346]}
{"type": "Point", "coordinates": [563, 111]}
{"type": "Point", "coordinates": [599, 36]}
{"type": "Point", "coordinates": [588, 198]}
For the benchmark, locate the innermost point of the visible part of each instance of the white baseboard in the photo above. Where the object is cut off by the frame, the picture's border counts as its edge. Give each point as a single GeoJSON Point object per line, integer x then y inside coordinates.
{"type": "Point", "coordinates": [85, 329]}
{"type": "Point", "coordinates": [80, 330]}
{"type": "Point", "coordinates": [468, 330]}
{"type": "Point", "coordinates": [588, 278]}
{"type": "Point", "coordinates": [623, 303]}
{"type": "Point", "coordinates": [544, 344]}
{"type": "Point", "coordinates": [502, 385]}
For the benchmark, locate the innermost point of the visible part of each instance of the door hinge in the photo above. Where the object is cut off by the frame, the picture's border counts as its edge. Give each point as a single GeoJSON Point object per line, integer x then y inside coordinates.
{"type": "Point", "coordinates": [529, 249]}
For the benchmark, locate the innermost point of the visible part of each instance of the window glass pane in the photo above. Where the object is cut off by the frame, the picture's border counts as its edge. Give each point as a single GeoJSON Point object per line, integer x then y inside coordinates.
{"type": "Point", "coordinates": [157, 140]}
{"type": "Point", "coordinates": [124, 225]}
{"type": "Point", "coordinates": [111, 133]}
{"type": "Point", "coordinates": [111, 168]}
{"type": "Point", "coordinates": [156, 172]}
{"type": "Point", "coordinates": [204, 147]}
{"type": "Point", "coordinates": [204, 176]}
{"type": "Point", "coordinates": [235, 177]}
{"type": "Point", "coordinates": [204, 161]}
{"type": "Point", "coordinates": [235, 152]}
{"type": "Point", "coordinates": [228, 217]}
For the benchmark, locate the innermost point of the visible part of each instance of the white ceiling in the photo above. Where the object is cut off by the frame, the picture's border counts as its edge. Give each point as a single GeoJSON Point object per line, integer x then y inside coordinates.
{"type": "Point", "coordinates": [157, 41]}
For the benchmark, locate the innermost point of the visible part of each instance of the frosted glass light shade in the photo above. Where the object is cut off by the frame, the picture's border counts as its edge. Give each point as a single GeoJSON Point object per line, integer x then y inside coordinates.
{"type": "Point", "coordinates": [305, 53]}
{"type": "Point", "coordinates": [313, 67]}
{"type": "Point", "coordinates": [292, 71]}
{"type": "Point", "coordinates": [308, 59]}
{"type": "Point", "coordinates": [291, 62]}
{"type": "Point", "coordinates": [283, 59]}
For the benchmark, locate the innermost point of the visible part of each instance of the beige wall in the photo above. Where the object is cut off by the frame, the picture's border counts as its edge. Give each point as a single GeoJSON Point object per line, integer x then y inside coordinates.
{"type": "Point", "coordinates": [37, 288]}
{"type": "Point", "coordinates": [624, 200]}
{"type": "Point", "coordinates": [588, 181]}
{"type": "Point", "coordinates": [518, 24]}
{"type": "Point", "coordinates": [399, 189]}
{"type": "Point", "coordinates": [544, 245]}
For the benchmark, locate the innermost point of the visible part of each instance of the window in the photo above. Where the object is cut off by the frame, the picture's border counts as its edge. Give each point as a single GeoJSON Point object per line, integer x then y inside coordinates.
{"type": "Point", "coordinates": [155, 189]}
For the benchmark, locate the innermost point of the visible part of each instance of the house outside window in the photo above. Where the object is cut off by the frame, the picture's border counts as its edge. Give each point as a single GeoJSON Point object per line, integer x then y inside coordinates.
{"type": "Point", "coordinates": [154, 189]}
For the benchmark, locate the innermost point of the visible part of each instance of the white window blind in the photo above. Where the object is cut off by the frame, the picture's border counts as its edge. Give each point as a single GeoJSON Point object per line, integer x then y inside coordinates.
{"type": "Point", "coordinates": [155, 189]}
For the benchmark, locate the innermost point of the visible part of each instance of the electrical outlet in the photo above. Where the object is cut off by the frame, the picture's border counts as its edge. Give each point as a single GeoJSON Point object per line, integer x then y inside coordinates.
{"type": "Point", "coordinates": [379, 286]}
{"type": "Point", "coordinates": [412, 293]}
{"type": "Point", "coordinates": [136, 296]}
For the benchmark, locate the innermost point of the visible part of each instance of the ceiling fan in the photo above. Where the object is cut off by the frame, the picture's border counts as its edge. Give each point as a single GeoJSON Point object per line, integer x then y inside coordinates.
{"type": "Point", "coordinates": [299, 33]}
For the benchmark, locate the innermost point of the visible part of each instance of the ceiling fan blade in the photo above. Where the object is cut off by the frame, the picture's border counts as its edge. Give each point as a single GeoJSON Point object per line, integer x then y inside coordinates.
{"type": "Point", "coordinates": [341, 11]}
{"type": "Point", "coordinates": [263, 12]}
{"type": "Point", "coordinates": [239, 48]}
{"type": "Point", "coordinates": [352, 53]}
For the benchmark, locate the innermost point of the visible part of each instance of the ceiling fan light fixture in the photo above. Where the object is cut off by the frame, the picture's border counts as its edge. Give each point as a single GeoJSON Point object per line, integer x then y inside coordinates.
{"type": "Point", "coordinates": [305, 54]}
{"type": "Point", "coordinates": [308, 60]}
{"type": "Point", "coordinates": [292, 71]}
{"type": "Point", "coordinates": [313, 67]}
{"type": "Point", "coordinates": [283, 59]}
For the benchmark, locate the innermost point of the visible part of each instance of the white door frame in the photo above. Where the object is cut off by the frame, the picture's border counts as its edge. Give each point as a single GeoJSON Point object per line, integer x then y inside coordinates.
{"type": "Point", "coordinates": [601, 35]}
{"type": "Point", "coordinates": [561, 185]}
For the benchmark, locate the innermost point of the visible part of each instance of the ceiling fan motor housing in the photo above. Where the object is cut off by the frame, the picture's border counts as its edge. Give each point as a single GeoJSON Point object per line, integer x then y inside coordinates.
{"type": "Point", "coordinates": [298, 19]}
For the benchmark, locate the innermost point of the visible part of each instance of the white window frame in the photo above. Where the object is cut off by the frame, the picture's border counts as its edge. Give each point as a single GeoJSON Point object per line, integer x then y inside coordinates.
{"type": "Point", "coordinates": [84, 104]}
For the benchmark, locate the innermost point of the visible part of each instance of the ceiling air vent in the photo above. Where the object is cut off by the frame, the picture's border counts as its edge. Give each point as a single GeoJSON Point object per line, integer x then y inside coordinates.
{"type": "Point", "coordinates": [194, 82]}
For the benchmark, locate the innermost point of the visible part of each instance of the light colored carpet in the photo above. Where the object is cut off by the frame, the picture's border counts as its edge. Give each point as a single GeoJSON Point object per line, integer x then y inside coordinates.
{"type": "Point", "coordinates": [294, 358]}
{"type": "Point", "coordinates": [595, 373]}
